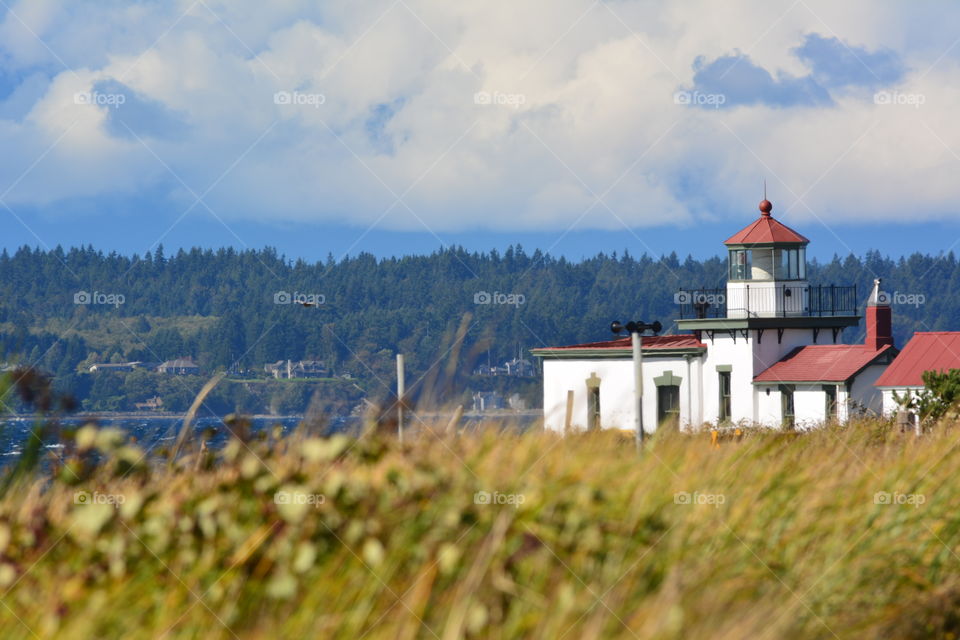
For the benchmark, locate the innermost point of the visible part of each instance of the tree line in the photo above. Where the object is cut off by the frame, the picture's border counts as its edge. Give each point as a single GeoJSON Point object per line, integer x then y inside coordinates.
{"type": "Point", "coordinates": [60, 309]}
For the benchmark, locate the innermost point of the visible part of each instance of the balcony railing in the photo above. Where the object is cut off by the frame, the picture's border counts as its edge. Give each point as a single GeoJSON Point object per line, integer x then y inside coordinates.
{"type": "Point", "coordinates": [768, 301]}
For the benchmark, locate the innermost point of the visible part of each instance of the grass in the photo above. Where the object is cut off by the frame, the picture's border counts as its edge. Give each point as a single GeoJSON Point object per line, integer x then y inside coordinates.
{"type": "Point", "coordinates": [843, 532]}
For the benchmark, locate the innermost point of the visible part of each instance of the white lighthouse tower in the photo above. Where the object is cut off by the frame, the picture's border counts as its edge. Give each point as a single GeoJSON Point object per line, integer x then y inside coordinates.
{"type": "Point", "coordinates": [768, 272]}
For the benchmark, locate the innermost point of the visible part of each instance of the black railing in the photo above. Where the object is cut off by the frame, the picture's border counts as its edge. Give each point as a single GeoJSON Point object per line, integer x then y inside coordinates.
{"type": "Point", "coordinates": [764, 301]}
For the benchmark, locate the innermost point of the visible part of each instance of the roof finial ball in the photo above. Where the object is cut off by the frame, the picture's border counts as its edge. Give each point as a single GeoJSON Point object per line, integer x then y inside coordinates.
{"type": "Point", "coordinates": [765, 207]}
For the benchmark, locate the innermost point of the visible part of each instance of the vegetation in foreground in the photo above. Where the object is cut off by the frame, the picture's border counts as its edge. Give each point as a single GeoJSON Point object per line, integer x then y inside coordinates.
{"type": "Point", "coordinates": [844, 532]}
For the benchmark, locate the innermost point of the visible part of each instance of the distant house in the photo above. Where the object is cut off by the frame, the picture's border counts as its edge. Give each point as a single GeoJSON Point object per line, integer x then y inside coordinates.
{"type": "Point", "coordinates": [109, 366]}
{"type": "Point", "coordinates": [521, 368]}
{"type": "Point", "coordinates": [122, 366]}
{"type": "Point", "coordinates": [286, 369]}
{"type": "Point", "coordinates": [926, 351]}
{"type": "Point", "coordinates": [179, 367]}
{"type": "Point", "coordinates": [310, 369]}
{"type": "Point", "coordinates": [152, 404]}
{"type": "Point", "coordinates": [488, 370]}
{"type": "Point", "coordinates": [517, 403]}
{"type": "Point", "coordinates": [487, 401]}
{"type": "Point", "coordinates": [277, 369]}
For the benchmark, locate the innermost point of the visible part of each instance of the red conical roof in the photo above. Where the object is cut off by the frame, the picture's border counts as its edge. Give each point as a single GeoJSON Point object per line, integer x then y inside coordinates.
{"type": "Point", "coordinates": [766, 230]}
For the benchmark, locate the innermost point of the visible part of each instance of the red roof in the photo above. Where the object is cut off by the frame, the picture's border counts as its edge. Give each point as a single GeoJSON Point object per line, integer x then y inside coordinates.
{"type": "Point", "coordinates": [822, 363]}
{"type": "Point", "coordinates": [679, 341]}
{"type": "Point", "coordinates": [926, 351]}
{"type": "Point", "coordinates": [766, 230]}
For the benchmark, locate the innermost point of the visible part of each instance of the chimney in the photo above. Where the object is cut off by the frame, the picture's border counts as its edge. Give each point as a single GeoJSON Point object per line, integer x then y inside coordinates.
{"type": "Point", "coordinates": [879, 320]}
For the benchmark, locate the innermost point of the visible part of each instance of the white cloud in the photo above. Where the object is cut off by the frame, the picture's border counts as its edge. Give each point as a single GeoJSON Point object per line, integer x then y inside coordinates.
{"type": "Point", "coordinates": [581, 100]}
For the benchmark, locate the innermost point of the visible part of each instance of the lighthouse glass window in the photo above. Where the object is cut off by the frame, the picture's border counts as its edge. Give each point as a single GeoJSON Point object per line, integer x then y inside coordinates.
{"type": "Point", "coordinates": [739, 264]}
{"type": "Point", "coordinates": [791, 264]}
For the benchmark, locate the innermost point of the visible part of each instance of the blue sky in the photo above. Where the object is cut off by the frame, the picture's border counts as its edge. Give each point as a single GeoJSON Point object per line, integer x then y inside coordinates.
{"type": "Point", "coordinates": [401, 127]}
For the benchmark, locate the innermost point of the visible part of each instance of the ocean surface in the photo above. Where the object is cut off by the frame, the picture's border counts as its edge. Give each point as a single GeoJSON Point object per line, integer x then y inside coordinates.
{"type": "Point", "coordinates": [153, 433]}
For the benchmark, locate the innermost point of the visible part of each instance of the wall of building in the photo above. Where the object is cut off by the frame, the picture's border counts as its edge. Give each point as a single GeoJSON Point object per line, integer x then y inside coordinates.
{"type": "Point", "coordinates": [863, 392]}
{"type": "Point", "coordinates": [809, 406]}
{"type": "Point", "coordinates": [890, 406]}
{"type": "Point", "coordinates": [616, 390]}
{"type": "Point", "coordinates": [768, 406]}
{"type": "Point", "coordinates": [724, 350]}
{"type": "Point", "coordinates": [765, 298]}
{"type": "Point", "coordinates": [747, 357]}
{"type": "Point", "coordinates": [767, 352]}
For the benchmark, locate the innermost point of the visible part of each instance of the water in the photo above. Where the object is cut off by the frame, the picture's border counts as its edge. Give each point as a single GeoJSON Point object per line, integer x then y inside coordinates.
{"type": "Point", "coordinates": [154, 433]}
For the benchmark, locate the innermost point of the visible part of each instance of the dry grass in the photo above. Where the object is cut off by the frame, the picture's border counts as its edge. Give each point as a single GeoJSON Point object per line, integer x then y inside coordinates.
{"type": "Point", "coordinates": [783, 536]}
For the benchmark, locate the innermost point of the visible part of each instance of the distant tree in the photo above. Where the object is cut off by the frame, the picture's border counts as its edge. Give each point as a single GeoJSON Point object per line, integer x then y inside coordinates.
{"type": "Point", "coordinates": [141, 325]}
{"type": "Point", "coordinates": [940, 394]}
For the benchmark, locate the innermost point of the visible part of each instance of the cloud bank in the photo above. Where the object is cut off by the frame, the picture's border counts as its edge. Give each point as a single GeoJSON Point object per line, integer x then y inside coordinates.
{"type": "Point", "coordinates": [428, 115]}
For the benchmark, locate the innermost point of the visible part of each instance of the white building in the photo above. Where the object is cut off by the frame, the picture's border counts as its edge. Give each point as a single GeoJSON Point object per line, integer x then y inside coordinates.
{"type": "Point", "coordinates": [761, 351]}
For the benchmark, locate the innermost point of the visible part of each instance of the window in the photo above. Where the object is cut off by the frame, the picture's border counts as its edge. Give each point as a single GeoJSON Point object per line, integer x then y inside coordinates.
{"type": "Point", "coordinates": [830, 393]}
{"type": "Point", "coordinates": [786, 405]}
{"type": "Point", "coordinates": [739, 264]}
{"type": "Point", "coordinates": [668, 405]}
{"type": "Point", "coordinates": [593, 408]}
{"type": "Point", "coordinates": [724, 413]}
{"type": "Point", "coordinates": [791, 264]}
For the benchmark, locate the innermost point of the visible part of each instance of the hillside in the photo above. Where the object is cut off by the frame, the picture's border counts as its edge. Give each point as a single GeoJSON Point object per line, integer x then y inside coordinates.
{"type": "Point", "coordinates": [236, 310]}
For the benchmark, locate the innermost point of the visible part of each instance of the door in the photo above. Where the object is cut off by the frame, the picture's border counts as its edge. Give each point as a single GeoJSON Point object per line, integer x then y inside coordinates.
{"type": "Point", "coordinates": [668, 405]}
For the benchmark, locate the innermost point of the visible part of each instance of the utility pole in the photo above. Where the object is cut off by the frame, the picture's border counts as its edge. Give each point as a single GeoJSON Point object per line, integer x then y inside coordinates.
{"type": "Point", "coordinates": [635, 342]}
{"type": "Point", "coordinates": [400, 392]}
{"type": "Point", "coordinates": [636, 330]}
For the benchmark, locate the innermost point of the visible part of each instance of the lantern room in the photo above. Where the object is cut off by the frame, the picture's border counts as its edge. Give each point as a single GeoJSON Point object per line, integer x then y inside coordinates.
{"type": "Point", "coordinates": [767, 250]}
{"type": "Point", "coordinates": [767, 273]}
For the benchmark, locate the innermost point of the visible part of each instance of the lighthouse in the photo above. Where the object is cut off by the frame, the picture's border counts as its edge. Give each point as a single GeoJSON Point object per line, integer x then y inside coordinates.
{"type": "Point", "coordinates": [764, 349]}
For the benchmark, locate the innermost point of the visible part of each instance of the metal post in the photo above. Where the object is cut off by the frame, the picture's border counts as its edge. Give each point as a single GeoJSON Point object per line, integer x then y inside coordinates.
{"type": "Point", "coordinates": [568, 418]}
{"type": "Point", "coordinates": [638, 385]}
{"type": "Point", "coordinates": [400, 392]}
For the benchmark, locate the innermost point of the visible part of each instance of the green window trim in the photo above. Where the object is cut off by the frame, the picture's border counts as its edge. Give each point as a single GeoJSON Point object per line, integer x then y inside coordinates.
{"type": "Point", "coordinates": [724, 368]}
{"type": "Point", "coordinates": [668, 378]}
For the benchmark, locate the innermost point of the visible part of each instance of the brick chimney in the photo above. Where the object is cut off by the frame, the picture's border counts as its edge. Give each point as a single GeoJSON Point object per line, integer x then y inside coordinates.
{"type": "Point", "coordinates": [879, 318]}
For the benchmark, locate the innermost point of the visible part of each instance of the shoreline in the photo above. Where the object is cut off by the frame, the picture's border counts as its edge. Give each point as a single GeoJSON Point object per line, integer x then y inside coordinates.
{"type": "Point", "coordinates": [128, 415]}
{"type": "Point", "coordinates": [173, 415]}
